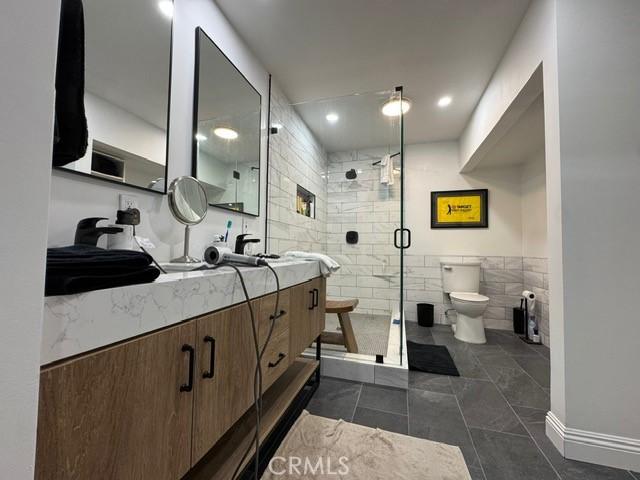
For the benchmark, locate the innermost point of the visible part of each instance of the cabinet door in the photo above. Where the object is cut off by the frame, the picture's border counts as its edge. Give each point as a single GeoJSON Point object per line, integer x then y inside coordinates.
{"type": "Point", "coordinates": [303, 320]}
{"type": "Point", "coordinates": [119, 413]}
{"type": "Point", "coordinates": [224, 387]}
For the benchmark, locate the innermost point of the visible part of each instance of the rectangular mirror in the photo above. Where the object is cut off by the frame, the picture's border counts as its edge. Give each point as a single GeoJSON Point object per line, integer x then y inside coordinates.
{"type": "Point", "coordinates": [226, 131]}
{"type": "Point", "coordinates": [127, 65]}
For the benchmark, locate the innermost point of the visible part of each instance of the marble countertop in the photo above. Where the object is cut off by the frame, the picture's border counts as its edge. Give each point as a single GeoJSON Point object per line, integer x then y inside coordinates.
{"type": "Point", "coordinates": [78, 323]}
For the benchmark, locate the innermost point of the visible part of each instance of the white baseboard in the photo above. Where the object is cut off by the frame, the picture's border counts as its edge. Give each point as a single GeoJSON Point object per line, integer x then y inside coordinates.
{"type": "Point", "coordinates": [593, 447]}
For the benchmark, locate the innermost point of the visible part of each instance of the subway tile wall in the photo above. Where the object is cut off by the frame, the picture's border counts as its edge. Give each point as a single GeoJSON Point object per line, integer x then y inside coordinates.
{"type": "Point", "coordinates": [295, 158]}
{"type": "Point", "coordinates": [370, 269]}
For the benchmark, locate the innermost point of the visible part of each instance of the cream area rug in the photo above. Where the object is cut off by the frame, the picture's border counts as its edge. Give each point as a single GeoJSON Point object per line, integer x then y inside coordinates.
{"type": "Point", "coordinates": [321, 448]}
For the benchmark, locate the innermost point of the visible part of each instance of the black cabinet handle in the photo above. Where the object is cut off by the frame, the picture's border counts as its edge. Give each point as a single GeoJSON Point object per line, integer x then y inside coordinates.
{"type": "Point", "coordinates": [395, 238]}
{"type": "Point", "coordinates": [212, 358]}
{"type": "Point", "coordinates": [313, 299]}
{"type": "Point", "coordinates": [281, 356]}
{"type": "Point", "coordinates": [316, 297]}
{"type": "Point", "coordinates": [187, 387]}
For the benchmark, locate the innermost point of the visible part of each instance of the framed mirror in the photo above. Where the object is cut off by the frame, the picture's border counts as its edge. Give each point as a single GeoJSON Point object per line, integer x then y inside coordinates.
{"type": "Point", "coordinates": [226, 131]}
{"type": "Point", "coordinates": [127, 70]}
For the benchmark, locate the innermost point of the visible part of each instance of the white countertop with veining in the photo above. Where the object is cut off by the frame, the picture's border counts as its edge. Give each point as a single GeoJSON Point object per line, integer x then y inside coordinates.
{"type": "Point", "coordinates": [78, 323]}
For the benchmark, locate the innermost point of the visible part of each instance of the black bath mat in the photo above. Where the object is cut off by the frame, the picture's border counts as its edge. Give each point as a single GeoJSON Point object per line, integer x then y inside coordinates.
{"type": "Point", "coordinates": [431, 358]}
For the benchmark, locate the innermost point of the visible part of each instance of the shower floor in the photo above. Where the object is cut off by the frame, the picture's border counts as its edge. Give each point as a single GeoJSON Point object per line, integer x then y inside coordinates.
{"type": "Point", "coordinates": [371, 332]}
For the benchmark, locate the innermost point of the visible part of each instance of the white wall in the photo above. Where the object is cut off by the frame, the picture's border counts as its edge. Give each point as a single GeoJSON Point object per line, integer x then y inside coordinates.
{"type": "Point", "coordinates": [599, 68]}
{"type": "Point", "coordinates": [534, 207]}
{"type": "Point", "coordinates": [114, 126]}
{"type": "Point", "coordinates": [28, 43]}
{"type": "Point", "coordinates": [534, 43]}
{"type": "Point", "coordinates": [73, 197]}
{"type": "Point", "coordinates": [588, 50]}
{"type": "Point", "coordinates": [435, 166]}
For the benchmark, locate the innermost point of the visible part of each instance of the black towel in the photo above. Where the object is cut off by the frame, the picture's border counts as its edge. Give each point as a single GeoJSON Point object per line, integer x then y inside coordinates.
{"type": "Point", "coordinates": [70, 138]}
{"type": "Point", "coordinates": [82, 268]}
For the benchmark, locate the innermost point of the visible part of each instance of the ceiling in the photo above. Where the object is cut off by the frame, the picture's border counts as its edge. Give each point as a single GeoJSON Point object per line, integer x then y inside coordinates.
{"type": "Point", "coordinates": [319, 49]}
{"type": "Point", "coordinates": [522, 142]}
{"type": "Point", "coordinates": [127, 56]}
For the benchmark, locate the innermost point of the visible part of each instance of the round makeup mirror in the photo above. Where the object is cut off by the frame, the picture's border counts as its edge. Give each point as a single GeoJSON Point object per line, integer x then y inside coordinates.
{"type": "Point", "coordinates": [188, 204]}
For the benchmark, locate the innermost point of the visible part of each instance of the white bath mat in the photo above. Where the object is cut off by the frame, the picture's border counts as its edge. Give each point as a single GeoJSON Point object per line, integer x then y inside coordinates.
{"type": "Point", "coordinates": [321, 448]}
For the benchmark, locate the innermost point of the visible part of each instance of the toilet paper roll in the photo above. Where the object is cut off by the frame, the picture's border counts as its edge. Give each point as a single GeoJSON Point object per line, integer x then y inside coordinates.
{"type": "Point", "coordinates": [529, 295]}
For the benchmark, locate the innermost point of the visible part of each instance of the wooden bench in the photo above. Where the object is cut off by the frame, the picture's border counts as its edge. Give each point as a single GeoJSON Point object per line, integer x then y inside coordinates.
{"type": "Point", "coordinates": [346, 337]}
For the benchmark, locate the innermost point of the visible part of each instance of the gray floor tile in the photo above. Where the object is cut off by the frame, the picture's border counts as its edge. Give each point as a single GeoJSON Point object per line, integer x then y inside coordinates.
{"type": "Point", "coordinates": [436, 416]}
{"type": "Point", "coordinates": [515, 346]}
{"type": "Point", "coordinates": [430, 382]}
{"type": "Point", "coordinates": [390, 422]}
{"type": "Point", "coordinates": [469, 367]}
{"type": "Point", "coordinates": [542, 350]}
{"type": "Point", "coordinates": [335, 399]}
{"type": "Point", "coordinates": [537, 367]}
{"type": "Point", "coordinates": [510, 457]}
{"type": "Point", "coordinates": [499, 359]}
{"type": "Point", "coordinates": [534, 420]}
{"type": "Point", "coordinates": [418, 334]}
{"type": "Point", "coordinates": [519, 388]}
{"type": "Point", "coordinates": [387, 399]}
{"type": "Point", "coordinates": [476, 473]}
{"type": "Point", "coordinates": [483, 406]}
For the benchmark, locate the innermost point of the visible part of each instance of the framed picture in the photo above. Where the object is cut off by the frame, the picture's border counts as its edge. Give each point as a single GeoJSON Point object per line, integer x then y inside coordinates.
{"type": "Point", "coordinates": [460, 209]}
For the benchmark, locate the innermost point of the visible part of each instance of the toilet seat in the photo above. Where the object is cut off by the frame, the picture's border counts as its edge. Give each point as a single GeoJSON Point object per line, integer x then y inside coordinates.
{"type": "Point", "coordinates": [468, 297]}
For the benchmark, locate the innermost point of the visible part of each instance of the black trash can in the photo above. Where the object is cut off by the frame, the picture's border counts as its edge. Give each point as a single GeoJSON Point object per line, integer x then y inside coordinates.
{"type": "Point", "coordinates": [425, 315]}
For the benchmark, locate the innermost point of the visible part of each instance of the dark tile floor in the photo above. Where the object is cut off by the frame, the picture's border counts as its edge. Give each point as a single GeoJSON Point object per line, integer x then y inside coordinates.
{"type": "Point", "coordinates": [494, 411]}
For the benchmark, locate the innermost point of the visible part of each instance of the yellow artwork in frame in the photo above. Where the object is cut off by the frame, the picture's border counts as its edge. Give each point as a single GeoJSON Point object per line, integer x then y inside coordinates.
{"type": "Point", "coordinates": [460, 209]}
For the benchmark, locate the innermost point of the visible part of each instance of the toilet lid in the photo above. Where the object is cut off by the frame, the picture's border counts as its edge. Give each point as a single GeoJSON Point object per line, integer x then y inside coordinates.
{"type": "Point", "coordinates": [469, 297]}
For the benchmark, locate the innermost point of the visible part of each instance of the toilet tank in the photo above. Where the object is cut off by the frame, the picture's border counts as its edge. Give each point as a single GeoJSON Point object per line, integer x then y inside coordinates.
{"type": "Point", "coordinates": [460, 277]}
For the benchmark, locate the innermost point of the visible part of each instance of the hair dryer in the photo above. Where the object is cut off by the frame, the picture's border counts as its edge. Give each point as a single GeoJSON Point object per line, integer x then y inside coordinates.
{"type": "Point", "coordinates": [218, 255]}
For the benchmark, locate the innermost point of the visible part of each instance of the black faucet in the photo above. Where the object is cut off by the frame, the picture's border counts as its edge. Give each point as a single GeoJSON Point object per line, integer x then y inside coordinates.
{"type": "Point", "coordinates": [241, 242]}
{"type": "Point", "coordinates": [88, 233]}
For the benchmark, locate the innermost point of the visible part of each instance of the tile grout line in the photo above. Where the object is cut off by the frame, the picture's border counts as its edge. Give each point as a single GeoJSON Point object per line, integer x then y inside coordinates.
{"type": "Point", "coordinates": [530, 436]}
{"type": "Point", "coordinates": [357, 401]}
{"type": "Point", "coordinates": [473, 444]}
{"type": "Point", "coordinates": [521, 368]}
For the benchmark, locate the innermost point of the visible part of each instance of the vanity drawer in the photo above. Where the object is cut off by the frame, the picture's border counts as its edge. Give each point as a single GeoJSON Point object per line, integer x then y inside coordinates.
{"type": "Point", "coordinates": [264, 311]}
{"type": "Point", "coordinates": [276, 359]}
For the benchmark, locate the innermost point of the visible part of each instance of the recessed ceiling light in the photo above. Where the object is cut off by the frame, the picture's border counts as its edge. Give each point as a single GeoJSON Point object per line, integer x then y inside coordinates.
{"type": "Point", "coordinates": [226, 133]}
{"type": "Point", "coordinates": [166, 7]}
{"type": "Point", "coordinates": [332, 117]}
{"type": "Point", "coordinates": [444, 102]}
{"type": "Point", "coordinates": [200, 137]}
{"type": "Point", "coordinates": [393, 107]}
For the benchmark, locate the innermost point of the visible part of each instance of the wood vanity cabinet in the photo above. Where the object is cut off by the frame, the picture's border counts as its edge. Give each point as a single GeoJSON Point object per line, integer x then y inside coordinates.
{"type": "Point", "coordinates": [152, 407]}
{"type": "Point", "coordinates": [120, 412]}
{"type": "Point", "coordinates": [307, 313]}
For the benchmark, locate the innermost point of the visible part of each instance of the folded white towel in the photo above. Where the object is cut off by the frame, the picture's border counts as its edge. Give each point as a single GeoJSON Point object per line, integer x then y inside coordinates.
{"type": "Point", "coordinates": [386, 170]}
{"type": "Point", "coordinates": [327, 264]}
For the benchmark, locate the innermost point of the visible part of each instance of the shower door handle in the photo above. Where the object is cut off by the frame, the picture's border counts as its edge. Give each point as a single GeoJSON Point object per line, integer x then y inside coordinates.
{"type": "Point", "coordinates": [401, 244]}
{"type": "Point", "coordinates": [395, 238]}
{"type": "Point", "coordinates": [408, 237]}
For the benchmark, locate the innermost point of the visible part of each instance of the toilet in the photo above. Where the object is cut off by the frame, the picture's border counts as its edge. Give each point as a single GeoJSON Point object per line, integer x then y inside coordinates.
{"type": "Point", "coordinates": [462, 282]}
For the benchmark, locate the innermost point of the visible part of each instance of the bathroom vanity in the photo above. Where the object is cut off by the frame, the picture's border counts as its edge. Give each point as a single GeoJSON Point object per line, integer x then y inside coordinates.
{"type": "Point", "coordinates": [155, 381]}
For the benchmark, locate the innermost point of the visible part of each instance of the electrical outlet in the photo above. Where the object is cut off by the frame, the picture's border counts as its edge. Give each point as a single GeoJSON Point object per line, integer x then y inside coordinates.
{"type": "Point", "coordinates": [128, 201]}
